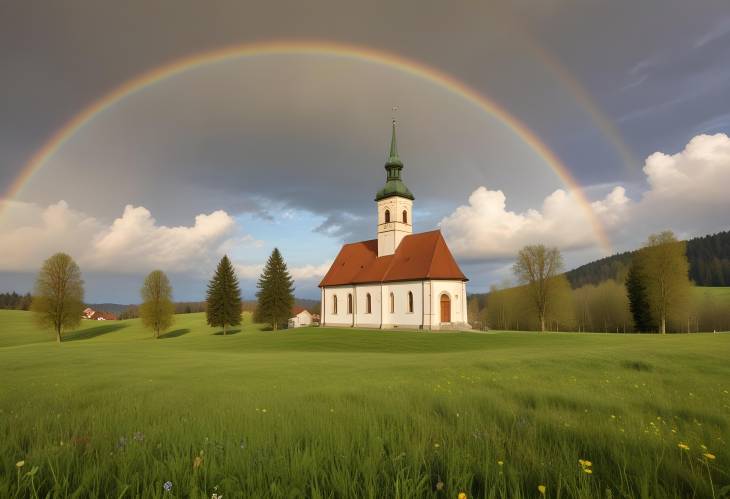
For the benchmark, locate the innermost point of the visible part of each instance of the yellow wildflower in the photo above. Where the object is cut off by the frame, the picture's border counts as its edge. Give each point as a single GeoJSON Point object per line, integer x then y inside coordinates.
{"type": "Point", "coordinates": [501, 463]}
{"type": "Point", "coordinates": [20, 464]}
{"type": "Point", "coordinates": [709, 456]}
{"type": "Point", "coordinates": [588, 471]}
{"type": "Point", "coordinates": [541, 489]}
{"type": "Point", "coordinates": [683, 446]}
{"type": "Point", "coordinates": [436, 446]}
{"type": "Point", "coordinates": [462, 495]}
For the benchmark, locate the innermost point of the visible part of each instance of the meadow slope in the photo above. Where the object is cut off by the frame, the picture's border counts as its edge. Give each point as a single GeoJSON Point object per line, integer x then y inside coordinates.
{"type": "Point", "coordinates": [338, 413]}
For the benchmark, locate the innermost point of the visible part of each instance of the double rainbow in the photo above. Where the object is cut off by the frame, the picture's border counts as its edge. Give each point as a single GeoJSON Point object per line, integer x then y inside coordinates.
{"type": "Point", "coordinates": [365, 54]}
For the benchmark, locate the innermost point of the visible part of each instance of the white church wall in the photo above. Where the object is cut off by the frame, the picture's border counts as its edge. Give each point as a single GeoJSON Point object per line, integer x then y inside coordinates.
{"type": "Point", "coordinates": [340, 317]}
{"type": "Point", "coordinates": [390, 234]}
{"type": "Point", "coordinates": [362, 317]}
{"type": "Point", "coordinates": [402, 317]}
{"type": "Point", "coordinates": [456, 290]}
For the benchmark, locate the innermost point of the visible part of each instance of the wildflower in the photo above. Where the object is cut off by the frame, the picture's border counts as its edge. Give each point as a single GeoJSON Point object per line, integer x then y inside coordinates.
{"type": "Point", "coordinates": [20, 464]}
{"type": "Point", "coordinates": [439, 485]}
{"type": "Point", "coordinates": [704, 447]}
{"type": "Point", "coordinates": [462, 495]}
{"type": "Point", "coordinates": [139, 436]}
{"type": "Point", "coordinates": [122, 442]}
{"type": "Point", "coordinates": [541, 489]}
{"type": "Point", "coordinates": [436, 446]}
{"type": "Point", "coordinates": [588, 471]}
{"type": "Point", "coordinates": [709, 456]}
{"type": "Point", "coordinates": [216, 496]}
{"type": "Point", "coordinates": [167, 485]}
{"type": "Point", "coordinates": [683, 446]}
{"type": "Point", "coordinates": [501, 463]}
{"type": "Point", "coordinates": [197, 462]}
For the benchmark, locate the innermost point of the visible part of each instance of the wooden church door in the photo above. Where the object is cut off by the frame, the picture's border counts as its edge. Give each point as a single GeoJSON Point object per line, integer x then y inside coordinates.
{"type": "Point", "coordinates": [445, 308]}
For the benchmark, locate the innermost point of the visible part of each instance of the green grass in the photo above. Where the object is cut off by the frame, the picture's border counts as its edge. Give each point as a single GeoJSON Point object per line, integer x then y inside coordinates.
{"type": "Point", "coordinates": [343, 413]}
{"type": "Point", "coordinates": [719, 293]}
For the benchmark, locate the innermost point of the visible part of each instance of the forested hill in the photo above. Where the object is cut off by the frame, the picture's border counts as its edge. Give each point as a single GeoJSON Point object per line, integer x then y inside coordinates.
{"type": "Point", "coordinates": [709, 263]}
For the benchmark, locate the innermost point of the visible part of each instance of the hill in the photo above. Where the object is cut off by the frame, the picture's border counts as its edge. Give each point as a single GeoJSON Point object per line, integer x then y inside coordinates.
{"type": "Point", "coordinates": [359, 413]}
{"type": "Point", "coordinates": [709, 262]}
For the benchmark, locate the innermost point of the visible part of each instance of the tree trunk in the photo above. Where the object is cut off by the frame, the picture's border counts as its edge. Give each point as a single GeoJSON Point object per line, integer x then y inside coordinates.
{"type": "Point", "coordinates": [58, 335]}
{"type": "Point", "coordinates": [542, 323]}
{"type": "Point", "coordinates": [225, 327]}
{"type": "Point", "coordinates": [664, 325]}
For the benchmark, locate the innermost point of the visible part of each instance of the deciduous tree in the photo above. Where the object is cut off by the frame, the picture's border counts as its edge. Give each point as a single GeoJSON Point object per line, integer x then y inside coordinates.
{"type": "Point", "coordinates": [537, 268]}
{"type": "Point", "coordinates": [664, 260]}
{"type": "Point", "coordinates": [157, 308]}
{"type": "Point", "coordinates": [58, 299]}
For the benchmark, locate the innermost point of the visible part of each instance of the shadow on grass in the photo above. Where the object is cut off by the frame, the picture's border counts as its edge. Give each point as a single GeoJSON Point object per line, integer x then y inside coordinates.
{"type": "Point", "coordinates": [174, 334]}
{"type": "Point", "coordinates": [93, 332]}
{"type": "Point", "coordinates": [232, 331]}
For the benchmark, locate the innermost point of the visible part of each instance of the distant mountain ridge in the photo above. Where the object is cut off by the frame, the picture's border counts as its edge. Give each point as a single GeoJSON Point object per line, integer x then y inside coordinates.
{"type": "Point", "coordinates": [709, 263]}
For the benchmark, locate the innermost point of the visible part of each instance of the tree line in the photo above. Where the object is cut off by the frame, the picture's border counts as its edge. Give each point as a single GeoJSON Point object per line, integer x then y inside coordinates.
{"type": "Point", "coordinates": [652, 294]}
{"type": "Point", "coordinates": [57, 301]}
{"type": "Point", "coordinates": [708, 258]}
{"type": "Point", "coordinates": [15, 301]}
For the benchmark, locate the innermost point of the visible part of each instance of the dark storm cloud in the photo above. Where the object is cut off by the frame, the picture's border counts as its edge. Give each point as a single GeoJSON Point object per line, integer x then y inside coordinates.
{"type": "Point", "coordinates": [656, 70]}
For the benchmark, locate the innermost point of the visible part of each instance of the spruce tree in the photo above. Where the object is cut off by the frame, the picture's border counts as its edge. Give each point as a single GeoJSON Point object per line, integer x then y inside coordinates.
{"type": "Point", "coordinates": [638, 300]}
{"type": "Point", "coordinates": [224, 297]}
{"type": "Point", "coordinates": [276, 292]}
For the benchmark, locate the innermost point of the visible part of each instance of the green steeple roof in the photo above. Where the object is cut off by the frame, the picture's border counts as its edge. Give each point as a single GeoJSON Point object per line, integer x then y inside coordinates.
{"type": "Point", "coordinates": [394, 185]}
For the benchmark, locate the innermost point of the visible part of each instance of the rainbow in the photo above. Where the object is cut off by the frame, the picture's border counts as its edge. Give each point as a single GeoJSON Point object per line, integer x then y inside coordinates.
{"type": "Point", "coordinates": [365, 54]}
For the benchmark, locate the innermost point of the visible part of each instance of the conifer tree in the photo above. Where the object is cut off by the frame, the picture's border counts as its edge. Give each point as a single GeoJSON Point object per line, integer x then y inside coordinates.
{"type": "Point", "coordinates": [276, 292]}
{"type": "Point", "coordinates": [224, 297]}
{"type": "Point", "coordinates": [638, 300]}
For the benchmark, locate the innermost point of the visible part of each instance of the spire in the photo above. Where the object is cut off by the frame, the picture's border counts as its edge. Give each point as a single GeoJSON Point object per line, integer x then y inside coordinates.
{"type": "Point", "coordinates": [394, 185]}
{"type": "Point", "coordinates": [393, 158]}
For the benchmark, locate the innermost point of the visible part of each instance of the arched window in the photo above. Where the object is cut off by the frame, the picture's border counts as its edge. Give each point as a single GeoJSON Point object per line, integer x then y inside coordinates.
{"type": "Point", "coordinates": [368, 304]}
{"type": "Point", "coordinates": [410, 302]}
{"type": "Point", "coordinates": [349, 303]}
{"type": "Point", "coordinates": [334, 304]}
{"type": "Point", "coordinates": [392, 303]}
{"type": "Point", "coordinates": [405, 217]}
{"type": "Point", "coordinates": [387, 216]}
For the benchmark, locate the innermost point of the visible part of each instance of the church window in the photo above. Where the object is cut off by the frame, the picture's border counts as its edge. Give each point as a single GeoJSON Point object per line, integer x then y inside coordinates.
{"type": "Point", "coordinates": [368, 304]}
{"type": "Point", "coordinates": [349, 303]}
{"type": "Point", "coordinates": [392, 303]}
{"type": "Point", "coordinates": [410, 302]}
{"type": "Point", "coordinates": [334, 304]}
{"type": "Point", "coordinates": [387, 216]}
{"type": "Point", "coordinates": [405, 217]}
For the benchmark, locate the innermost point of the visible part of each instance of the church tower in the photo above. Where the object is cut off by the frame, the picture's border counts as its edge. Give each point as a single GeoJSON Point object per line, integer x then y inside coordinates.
{"type": "Point", "coordinates": [395, 205]}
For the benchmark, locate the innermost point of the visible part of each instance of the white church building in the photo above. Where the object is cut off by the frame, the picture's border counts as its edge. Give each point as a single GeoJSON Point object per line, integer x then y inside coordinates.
{"type": "Point", "coordinates": [400, 279]}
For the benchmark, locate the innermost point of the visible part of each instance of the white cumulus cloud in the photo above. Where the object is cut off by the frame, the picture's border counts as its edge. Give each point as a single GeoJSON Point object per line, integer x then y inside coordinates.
{"type": "Point", "coordinates": [688, 192]}
{"type": "Point", "coordinates": [134, 242]}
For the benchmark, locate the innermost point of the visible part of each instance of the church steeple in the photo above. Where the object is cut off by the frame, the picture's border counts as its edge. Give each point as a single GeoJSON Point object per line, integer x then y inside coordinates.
{"type": "Point", "coordinates": [394, 185]}
{"type": "Point", "coordinates": [395, 204]}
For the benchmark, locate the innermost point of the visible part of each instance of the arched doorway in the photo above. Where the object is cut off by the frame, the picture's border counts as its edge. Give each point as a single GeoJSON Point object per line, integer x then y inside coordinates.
{"type": "Point", "coordinates": [445, 308]}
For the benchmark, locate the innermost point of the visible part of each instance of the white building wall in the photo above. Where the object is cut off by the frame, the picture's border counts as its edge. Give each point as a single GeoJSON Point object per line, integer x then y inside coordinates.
{"type": "Point", "coordinates": [456, 290]}
{"type": "Point", "coordinates": [341, 318]}
{"type": "Point", "coordinates": [426, 305]}
{"type": "Point", "coordinates": [390, 234]}
{"type": "Point", "coordinates": [362, 317]}
{"type": "Point", "coordinates": [401, 316]}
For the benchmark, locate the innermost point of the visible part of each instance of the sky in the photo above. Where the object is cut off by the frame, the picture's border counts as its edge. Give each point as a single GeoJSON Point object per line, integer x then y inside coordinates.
{"type": "Point", "coordinates": [286, 148]}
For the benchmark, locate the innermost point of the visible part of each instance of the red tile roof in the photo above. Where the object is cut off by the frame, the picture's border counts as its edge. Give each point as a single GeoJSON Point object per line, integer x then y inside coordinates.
{"type": "Point", "coordinates": [419, 256]}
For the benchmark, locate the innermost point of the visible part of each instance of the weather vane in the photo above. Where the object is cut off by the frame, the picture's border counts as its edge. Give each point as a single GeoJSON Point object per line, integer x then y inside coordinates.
{"type": "Point", "coordinates": [394, 109]}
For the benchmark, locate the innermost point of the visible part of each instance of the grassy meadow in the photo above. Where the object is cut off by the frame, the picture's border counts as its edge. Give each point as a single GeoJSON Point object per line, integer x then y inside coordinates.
{"type": "Point", "coordinates": [344, 414]}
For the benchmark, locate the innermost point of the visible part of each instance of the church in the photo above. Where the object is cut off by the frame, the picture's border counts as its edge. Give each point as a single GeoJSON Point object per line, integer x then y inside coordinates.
{"type": "Point", "coordinates": [400, 279]}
